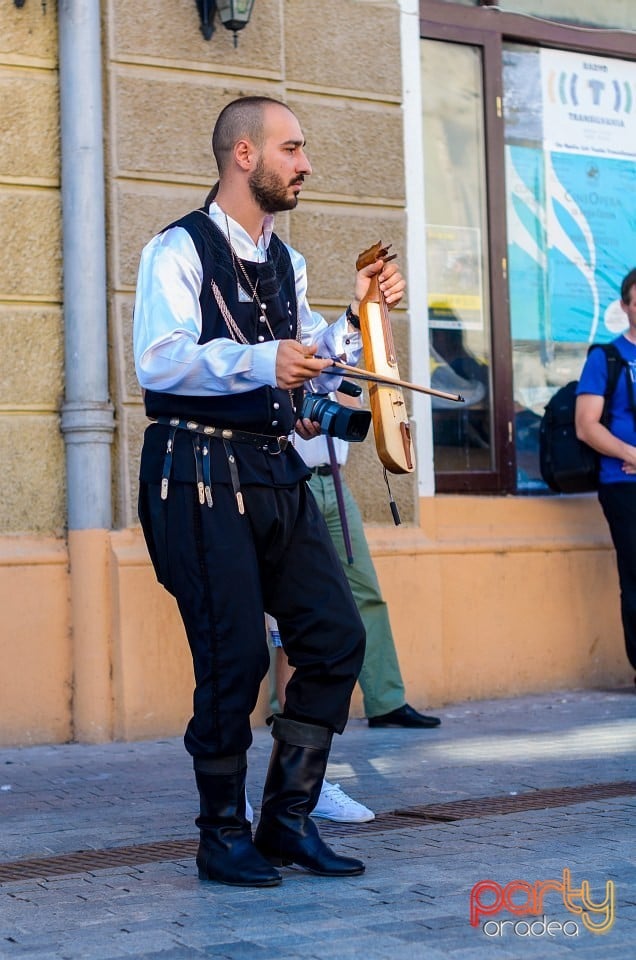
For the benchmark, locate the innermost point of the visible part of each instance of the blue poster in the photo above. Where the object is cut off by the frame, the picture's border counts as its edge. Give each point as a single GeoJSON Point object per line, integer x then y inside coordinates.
{"type": "Point", "coordinates": [571, 193]}
{"type": "Point", "coordinates": [591, 242]}
{"type": "Point", "coordinates": [527, 243]}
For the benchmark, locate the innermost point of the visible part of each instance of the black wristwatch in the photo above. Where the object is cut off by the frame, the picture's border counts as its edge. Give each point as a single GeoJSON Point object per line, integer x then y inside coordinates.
{"type": "Point", "coordinates": [352, 318]}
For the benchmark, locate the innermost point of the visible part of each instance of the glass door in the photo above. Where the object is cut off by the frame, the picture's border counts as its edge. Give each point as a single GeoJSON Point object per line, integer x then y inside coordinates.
{"type": "Point", "coordinates": [458, 264]}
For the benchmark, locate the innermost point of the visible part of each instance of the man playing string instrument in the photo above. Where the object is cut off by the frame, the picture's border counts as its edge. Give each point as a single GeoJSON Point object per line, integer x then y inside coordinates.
{"type": "Point", "coordinates": [224, 341]}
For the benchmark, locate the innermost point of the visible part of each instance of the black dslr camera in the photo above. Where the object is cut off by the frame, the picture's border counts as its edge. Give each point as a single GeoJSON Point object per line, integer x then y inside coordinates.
{"type": "Point", "coordinates": [346, 423]}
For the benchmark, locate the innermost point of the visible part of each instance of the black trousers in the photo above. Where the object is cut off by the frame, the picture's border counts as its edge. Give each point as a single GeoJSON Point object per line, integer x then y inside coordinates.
{"type": "Point", "coordinates": [225, 569]}
{"type": "Point", "coordinates": [618, 501]}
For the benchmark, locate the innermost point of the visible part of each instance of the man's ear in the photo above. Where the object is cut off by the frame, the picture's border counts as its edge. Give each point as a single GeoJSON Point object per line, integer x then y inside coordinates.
{"type": "Point", "coordinates": [244, 153]}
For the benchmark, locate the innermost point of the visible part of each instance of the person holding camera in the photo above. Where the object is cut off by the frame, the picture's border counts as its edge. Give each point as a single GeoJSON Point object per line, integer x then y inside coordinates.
{"type": "Point", "coordinates": [380, 679]}
{"type": "Point", "coordinates": [224, 342]}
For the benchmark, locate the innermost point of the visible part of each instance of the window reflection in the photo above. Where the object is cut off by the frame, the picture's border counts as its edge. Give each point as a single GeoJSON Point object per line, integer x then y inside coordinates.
{"type": "Point", "coordinates": [570, 195]}
{"type": "Point", "coordinates": [457, 255]}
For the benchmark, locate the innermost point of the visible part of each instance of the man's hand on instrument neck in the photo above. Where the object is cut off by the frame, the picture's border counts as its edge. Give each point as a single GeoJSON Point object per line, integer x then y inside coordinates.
{"type": "Point", "coordinates": [295, 364]}
{"type": "Point", "coordinates": [392, 283]}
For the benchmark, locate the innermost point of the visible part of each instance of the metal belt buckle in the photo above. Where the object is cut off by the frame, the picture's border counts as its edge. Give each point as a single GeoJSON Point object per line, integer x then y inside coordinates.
{"type": "Point", "coordinates": [282, 445]}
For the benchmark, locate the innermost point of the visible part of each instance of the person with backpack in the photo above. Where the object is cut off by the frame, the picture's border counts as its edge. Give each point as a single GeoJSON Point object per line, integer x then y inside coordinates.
{"type": "Point", "coordinates": [616, 444]}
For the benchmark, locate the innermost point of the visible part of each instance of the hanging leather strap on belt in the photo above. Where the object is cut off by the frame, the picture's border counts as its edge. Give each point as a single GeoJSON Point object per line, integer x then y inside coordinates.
{"type": "Point", "coordinates": [201, 434]}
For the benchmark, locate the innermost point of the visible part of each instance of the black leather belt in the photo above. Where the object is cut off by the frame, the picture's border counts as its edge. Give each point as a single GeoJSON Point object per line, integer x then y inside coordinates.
{"type": "Point", "coordinates": [324, 470]}
{"type": "Point", "coordinates": [262, 441]}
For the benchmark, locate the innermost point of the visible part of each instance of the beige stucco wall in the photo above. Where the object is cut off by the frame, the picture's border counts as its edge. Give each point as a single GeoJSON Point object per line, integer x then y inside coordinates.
{"type": "Point", "coordinates": [35, 643]}
{"type": "Point", "coordinates": [31, 359]}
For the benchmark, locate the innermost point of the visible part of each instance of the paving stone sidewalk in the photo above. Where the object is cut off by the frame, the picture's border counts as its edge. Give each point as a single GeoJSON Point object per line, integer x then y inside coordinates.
{"type": "Point", "coordinates": [413, 902]}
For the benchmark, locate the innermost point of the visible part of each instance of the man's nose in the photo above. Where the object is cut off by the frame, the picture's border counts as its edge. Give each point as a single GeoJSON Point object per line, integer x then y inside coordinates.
{"type": "Point", "coordinates": [304, 164]}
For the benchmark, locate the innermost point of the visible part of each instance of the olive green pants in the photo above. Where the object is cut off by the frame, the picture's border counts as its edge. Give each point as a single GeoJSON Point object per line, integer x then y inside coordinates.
{"type": "Point", "coordinates": [380, 678]}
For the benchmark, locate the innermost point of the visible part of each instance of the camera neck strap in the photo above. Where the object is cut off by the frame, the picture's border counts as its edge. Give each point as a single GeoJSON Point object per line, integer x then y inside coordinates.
{"type": "Point", "coordinates": [337, 483]}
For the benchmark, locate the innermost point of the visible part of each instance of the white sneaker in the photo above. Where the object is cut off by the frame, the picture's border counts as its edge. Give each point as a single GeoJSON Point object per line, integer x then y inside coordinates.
{"type": "Point", "coordinates": [249, 810]}
{"type": "Point", "coordinates": [334, 804]}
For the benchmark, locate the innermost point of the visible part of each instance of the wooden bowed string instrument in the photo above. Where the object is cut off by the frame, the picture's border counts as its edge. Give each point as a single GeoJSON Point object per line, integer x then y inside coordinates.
{"type": "Point", "coordinates": [388, 409]}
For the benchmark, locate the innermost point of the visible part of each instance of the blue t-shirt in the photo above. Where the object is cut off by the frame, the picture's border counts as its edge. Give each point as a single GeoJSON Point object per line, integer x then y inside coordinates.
{"type": "Point", "coordinates": [621, 416]}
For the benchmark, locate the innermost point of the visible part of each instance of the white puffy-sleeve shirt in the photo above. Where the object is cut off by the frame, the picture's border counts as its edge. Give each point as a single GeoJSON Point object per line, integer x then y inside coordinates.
{"type": "Point", "coordinates": [168, 323]}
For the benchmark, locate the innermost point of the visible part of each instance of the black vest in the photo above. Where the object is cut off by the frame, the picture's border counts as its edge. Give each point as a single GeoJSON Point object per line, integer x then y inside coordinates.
{"type": "Point", "coordinates": [266, 410]}
{"type": "Point", "coordinates": [253, 410]}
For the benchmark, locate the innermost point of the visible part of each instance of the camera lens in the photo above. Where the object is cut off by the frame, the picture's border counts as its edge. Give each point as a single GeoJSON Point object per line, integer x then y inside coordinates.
{"type": "Point", "coordinates": [336, 420]}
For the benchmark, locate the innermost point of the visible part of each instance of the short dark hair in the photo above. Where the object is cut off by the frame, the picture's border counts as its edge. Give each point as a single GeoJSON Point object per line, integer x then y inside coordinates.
{"type": "Point", "coordinates": [240, 118]}
{"type": "Point", "coordinates": [627, 284]}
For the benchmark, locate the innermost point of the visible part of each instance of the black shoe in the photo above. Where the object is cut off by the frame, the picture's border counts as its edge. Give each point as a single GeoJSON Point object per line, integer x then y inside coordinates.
{"type": "Point", "coordinates": [234, 860]}
{"type": "Point", "coordinates": [286, 834]}
{"type": "Point", "coordinates": [404, 716]}
{"type": "Point", "coordinates": [282, 848]}
{"type": "Point", "coordinates": [226, 852]}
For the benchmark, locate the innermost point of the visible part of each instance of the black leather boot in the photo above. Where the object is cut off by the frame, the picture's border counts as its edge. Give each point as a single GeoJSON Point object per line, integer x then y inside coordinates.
{"type": "Point", "coordinates": [226, 852]}
{"type": "Point", "coordinates": [286, 834]}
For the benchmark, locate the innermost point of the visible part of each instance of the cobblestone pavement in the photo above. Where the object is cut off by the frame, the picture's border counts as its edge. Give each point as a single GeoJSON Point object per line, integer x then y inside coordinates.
{"type": "Point", "coordinates": [523, 763]}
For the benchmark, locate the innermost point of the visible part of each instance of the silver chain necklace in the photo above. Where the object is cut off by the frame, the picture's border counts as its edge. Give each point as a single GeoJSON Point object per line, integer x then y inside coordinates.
{"type": "Point", "coordinates": [252, 287]}
{"type": "Point", "coordinates": [230, 322]}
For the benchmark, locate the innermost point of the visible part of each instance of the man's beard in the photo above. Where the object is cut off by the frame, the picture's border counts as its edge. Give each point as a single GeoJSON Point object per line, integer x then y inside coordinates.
{"type": "Point", "coordinates": [269, 190]}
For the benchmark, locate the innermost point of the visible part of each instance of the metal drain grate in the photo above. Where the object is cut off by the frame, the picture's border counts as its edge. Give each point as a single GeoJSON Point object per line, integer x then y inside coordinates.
{"type": "Point", "coordinates": [535, 800]}
{"type": "Point", "coordinates": [486, 807]}
{"type": "Point", "coordinates": [87, 861]}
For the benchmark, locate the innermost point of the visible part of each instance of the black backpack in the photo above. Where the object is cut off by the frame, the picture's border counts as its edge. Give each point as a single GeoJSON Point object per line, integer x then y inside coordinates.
{"type": "Point", "coordinates": [567, 464]}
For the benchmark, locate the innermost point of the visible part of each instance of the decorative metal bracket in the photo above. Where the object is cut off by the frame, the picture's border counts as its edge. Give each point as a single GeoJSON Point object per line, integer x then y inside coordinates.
{"type": "Point", "coordinates": [207, 12]}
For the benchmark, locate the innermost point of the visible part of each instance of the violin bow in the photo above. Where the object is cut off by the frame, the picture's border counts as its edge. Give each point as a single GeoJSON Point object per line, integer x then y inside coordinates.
{"type": "Point", "coordinates": [357, 373]}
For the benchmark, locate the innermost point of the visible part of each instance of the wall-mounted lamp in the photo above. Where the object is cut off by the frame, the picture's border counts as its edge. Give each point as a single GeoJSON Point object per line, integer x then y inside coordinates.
{"type": "Point", "coordinates": [234, 15]}
{"type": "Point", "coordinates": [20, 3]}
